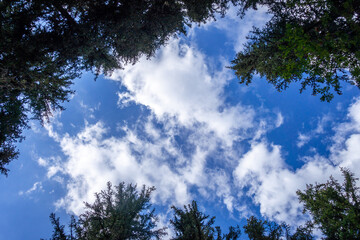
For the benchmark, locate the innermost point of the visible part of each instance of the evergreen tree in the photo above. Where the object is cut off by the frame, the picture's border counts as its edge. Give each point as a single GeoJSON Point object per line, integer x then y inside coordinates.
{"type": "Point", "coordinates": [334, 207]}
{"type": "Point", "coordinates": [118, 213]}
{"type": "Point", "coordinates": [258, 229]}
{"type": "Point", "coordinates": [316, 43]}
{"type": "Point", "coordinates": [190, 223]}
{"type": "Point", "coordinates": [13, 121]}
{"type": "Point", "coordinates": [59, 230]}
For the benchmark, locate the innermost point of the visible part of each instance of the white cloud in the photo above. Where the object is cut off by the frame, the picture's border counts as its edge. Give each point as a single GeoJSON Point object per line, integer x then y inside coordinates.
{"type": "Point", "coordinates": [272, 184]}
{"type": "Point", "coordinates": [42, 162]}
{"type": "Point", "coordinates": [178, 84]}
{"type": "Point", "coordinates": [304, 138]}
{"type": "Point", "coordinates": [92, 160]}
{"type": "Point", "coordinates": [345, 150]}
{"type": "Point", "coordinates": [53, 165]}
{"type": "Point", "coordinates": [37, 186]}
{"type": "Point", "coordinates": [279, 120]}
{"type": "Point", "coordinates": [89, 110]}
{"type": "Point", "coordinates": [221, 186]}
{"type": "Point", "coordinates": [345, 129]}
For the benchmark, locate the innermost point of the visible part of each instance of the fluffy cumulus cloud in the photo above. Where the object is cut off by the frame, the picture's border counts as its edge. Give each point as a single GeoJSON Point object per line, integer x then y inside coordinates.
{"type": "Point", "coordinates": [345, 150]}
{"type": "Point", "coordinates": [272, 185]}
{"type": "Point", "coordinates": [185, 145]}
{"type": "Point", "coordinates": [92, 160]}
{"type": "Point", "coordinates": [178, 84]}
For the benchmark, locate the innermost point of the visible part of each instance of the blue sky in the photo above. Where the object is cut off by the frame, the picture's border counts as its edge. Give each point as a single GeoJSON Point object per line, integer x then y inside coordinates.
{"type": "Point", "coordinates": [182, 123]}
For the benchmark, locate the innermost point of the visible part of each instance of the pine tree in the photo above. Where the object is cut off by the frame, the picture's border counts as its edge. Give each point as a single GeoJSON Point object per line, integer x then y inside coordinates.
{"type": "Point", "coordinates": [119, 212]}
{"type": "Point", "coordinates": [334, 207]}
{"type": "Point", "coordinates": [190, 223]}
{"type": "Point", "coordinates": [258, 229]}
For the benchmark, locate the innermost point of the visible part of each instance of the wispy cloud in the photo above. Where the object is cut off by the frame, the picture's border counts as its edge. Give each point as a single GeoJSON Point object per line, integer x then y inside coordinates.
{"type": "Point", "coordinates": [37, 186]}
{"type": "Point", "coordinates": [304, 138]}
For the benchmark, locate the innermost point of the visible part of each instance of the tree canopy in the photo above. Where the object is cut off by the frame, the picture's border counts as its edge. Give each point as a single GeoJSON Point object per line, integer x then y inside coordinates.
{"type": "Point", "coordinates": [190, 223]}
{"type": "Point", "coordinates": [45, 45]}
{"type": "Point", "coordinates": [315, 43]}
{"type": "Point", "coordinates": [334, 207]}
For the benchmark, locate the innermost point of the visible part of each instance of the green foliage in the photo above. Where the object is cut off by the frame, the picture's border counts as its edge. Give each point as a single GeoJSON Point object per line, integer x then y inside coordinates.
{"type": "Point", "coordinates": [316, 43]}
{"type": "Point", "coordinates": [190, 223]}
{"type": "Point", "coordinates": [262, 230]}
{"type": "Point", "coordinates": [119, 212]}
{"type": "Point", "coordinates": [334, 207]}
{"type": "Point", "coordinates": [59, 230]}
{"type": "Point", "coordinates": [32, 77]}
{"type": "Point", "coordinates": [45, 45]}
{"type": "Point", "coordinates": [258, 229]}
{"type": "Point", "coordinates": [13, 120]}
